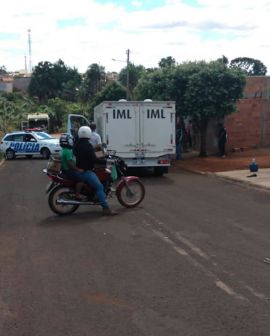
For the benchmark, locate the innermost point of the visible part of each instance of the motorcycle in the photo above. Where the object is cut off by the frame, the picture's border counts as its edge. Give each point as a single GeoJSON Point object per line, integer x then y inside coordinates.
{"type": "Point", "coordinates": [129, 190]}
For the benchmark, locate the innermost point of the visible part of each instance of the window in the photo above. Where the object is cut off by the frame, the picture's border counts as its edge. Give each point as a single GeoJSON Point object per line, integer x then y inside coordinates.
{"type": "Point", "coordinates": [17, 137]}
{"type": "Point", "coordinates": [43, 135]}
{"type": "Point", "coordinates": [29, 137]}
{"type": "Point", "coordinates": [9, 138]}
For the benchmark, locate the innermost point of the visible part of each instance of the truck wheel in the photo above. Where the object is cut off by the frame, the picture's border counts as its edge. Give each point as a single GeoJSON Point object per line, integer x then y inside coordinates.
{"type": "Point", "coordinates": [159, 171]}
{"type": "Point", "coordinates": [45, 153]}
{"type": "Point", "coordinates": [10, 154]}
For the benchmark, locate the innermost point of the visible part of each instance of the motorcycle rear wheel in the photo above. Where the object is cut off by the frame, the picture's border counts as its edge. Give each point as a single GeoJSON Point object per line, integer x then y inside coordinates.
{"type": "Point", "coordinates": [61, 192]}
{"type": "Point", "coordinates": [132, 194]}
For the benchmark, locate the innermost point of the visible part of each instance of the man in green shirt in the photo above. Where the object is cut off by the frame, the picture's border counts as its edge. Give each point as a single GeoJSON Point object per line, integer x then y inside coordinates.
{"type": "Point", "coordinates": [68, 163]}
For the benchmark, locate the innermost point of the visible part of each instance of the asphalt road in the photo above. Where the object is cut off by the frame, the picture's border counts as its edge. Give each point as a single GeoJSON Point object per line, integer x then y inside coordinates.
{"type": "Point", "coordinates": [189, 261]}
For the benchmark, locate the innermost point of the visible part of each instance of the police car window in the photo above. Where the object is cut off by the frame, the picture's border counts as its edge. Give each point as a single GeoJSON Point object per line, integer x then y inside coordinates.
{"type": "Point", "coordinates": [43, 135]}
{"type": "Point", "coordinates": [29, 137]}
{"type": "Point", "coordinates": [18, 137]}
{"type": "Point", "coordinates": [9, 138]}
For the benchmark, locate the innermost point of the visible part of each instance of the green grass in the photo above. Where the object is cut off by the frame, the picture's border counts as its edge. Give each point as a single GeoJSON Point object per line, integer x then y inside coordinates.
{"type": "Point", "coordinates": [1, 156]}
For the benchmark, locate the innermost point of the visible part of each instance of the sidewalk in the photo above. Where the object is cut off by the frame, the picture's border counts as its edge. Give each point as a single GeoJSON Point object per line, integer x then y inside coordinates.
{"type": "Point", "coordinates": [234, 167]}
{"type": "Point", "coordinates": [262, 180]}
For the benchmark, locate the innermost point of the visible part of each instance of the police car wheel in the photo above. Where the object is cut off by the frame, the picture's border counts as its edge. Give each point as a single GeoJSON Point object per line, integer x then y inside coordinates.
{"type": "Point", "coordinates": [10, 154]}
{"type": "Point", "coordinates": [45, 153]}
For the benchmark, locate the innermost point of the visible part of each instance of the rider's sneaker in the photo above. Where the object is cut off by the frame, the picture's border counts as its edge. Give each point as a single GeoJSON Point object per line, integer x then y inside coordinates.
{"type": "Point", "coordinates": [108, 212]}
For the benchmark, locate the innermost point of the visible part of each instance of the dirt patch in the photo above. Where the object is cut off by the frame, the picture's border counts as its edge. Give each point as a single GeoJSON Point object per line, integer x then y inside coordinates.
{"type": "Point", "coordinates": [233, 161]}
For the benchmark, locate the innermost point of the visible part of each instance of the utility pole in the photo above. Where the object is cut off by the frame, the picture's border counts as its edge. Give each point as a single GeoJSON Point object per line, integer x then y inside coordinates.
{"type": "Point", "coordinates": [25, 64]}
{"type": "Point", "coordinates": [29, 49]}
{"type": "Point", "coordinates": [127, 61]}
{"type": "Point", "coordinates": [128, 52]}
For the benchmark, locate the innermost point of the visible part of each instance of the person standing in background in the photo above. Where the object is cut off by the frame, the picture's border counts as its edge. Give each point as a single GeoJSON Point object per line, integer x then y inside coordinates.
{"type": "Point", "coordinates": [189, 134]}
{"type": "Point", "coordinates": [178, 138]}
{"type": "Point", "coordinates": [222, 139]}
{"type": "Point", "coordinates": [95, 139]}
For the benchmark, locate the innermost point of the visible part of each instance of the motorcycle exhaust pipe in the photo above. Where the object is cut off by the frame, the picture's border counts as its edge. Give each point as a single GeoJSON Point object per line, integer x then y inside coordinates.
{"type": "Point", "coordinates": [74, 202]}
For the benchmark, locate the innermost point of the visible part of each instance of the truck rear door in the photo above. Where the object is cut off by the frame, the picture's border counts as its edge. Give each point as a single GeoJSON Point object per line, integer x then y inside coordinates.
{"type": "Point", "coordinates": [157, 128]}
{"type": "Point", "coordinates": [122, 128]}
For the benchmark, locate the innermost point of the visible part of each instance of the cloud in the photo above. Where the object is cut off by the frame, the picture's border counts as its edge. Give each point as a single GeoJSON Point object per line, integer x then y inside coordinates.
{"type": "Point", "coordinates": [86, 31]}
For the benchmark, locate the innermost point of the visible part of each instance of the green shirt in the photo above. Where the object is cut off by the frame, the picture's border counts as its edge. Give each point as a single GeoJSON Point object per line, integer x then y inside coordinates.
{"type": "Point", "coordinates": [66, 155]}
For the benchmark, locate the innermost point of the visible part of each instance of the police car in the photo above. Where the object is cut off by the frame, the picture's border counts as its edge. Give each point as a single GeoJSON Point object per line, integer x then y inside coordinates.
{"type": "Point", "coordinates": [28, 144]}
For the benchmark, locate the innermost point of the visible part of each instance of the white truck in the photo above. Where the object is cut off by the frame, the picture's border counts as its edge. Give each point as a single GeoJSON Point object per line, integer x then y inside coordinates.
{"type": "Point", "coordinates": [141, 132]}
{"type": "Point", "coordinates": [36, 121]}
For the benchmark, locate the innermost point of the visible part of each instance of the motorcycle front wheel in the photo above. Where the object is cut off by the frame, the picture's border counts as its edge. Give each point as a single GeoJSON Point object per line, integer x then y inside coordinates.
{"type": "Point", "coordinates": [131, 194]}
{"type": "Point", "coordinates": [65, 194]}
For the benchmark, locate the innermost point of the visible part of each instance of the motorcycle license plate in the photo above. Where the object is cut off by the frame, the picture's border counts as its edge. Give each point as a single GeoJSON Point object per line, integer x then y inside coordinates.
{"type": "Point", "coordinates": [49, 186]}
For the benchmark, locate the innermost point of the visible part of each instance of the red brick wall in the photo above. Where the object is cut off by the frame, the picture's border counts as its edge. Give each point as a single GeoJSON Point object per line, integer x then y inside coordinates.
{"type": "Point", "coordinates": [250, 125]}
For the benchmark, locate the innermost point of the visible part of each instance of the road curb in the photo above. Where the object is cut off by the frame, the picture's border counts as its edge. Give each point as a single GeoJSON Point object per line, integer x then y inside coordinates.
{"type": "Point", "coordinates": [242, 183]}
{"type": "Point", "coordinates": [245, 184]}
{"type": "Point", "coordinates": [190, 170]}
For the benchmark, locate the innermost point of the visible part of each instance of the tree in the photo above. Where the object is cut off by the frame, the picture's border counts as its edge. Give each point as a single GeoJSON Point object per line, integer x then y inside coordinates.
{"type": "Point", "coordinates": [112, 91]}
{"type": "Point", "coordinates": [212, 92]}
{"type": "Point", "coordinates": [251, 66]}
{"type": "Point", "coordinates": [14, 108]}
{"type": "Point", "coordinates": [93, 81]}
{"type": "Point", "coordinates": [167, 62]}
{"type": "Point", "coordinates": [51, 80]}
{"type": "Point", "coordinates": [201, 90]}
{"type": "Point", "coordinates": [7, 114]}
{"type": "Point", "coordinates": [58, 110]}
{"type": "Point", "coordinates": [3, 70]}
{"type": "Point", "coordinates": [156, 85]}
{"type": "Point", "coordinates": [134, 74]}
{"type": "Point", "coordinates": [224, 60]}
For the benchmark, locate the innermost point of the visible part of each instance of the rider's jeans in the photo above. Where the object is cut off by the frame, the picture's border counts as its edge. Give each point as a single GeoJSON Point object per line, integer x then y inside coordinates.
{"type": "Point", "coordinates": [92, 179]}
{"type": "Point", "coordinates": [73, 175]}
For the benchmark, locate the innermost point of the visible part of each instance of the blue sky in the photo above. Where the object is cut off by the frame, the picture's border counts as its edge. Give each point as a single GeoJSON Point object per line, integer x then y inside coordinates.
{"type": "Point", "coordinates": [136, 5]}
{"type": "Point", "coordinates": [146, 4]}
{"type": "Point", "coordinates": [83, 32]}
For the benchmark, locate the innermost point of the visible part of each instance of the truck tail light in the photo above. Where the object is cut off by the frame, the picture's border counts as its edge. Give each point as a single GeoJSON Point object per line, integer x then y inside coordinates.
{"type": "Point", "coordinates": [164, 161]}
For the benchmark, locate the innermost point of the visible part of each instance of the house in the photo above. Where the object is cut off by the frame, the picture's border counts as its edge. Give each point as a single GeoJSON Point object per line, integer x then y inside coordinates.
{"type": "Point", "coordinates": [21, 83]}
{"type": "Point", "coordinates": [6, 83]}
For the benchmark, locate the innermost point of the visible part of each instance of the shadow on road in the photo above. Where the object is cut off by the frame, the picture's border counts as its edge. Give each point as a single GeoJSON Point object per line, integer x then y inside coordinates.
{"type": "Point", "coordinates": [83, 217]}
{"type": "Point", "coordinates": [77, 218]}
